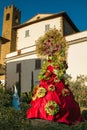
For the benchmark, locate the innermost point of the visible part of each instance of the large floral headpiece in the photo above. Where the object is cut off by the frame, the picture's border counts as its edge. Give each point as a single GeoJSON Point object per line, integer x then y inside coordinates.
{"type": "Point", "coordinates": [52, 44]}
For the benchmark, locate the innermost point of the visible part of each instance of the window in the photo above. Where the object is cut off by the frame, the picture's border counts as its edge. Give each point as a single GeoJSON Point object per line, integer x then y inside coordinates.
{"type": "Point", "coordinates": [47, 27]}
{"type": "Point", "coordinates": [16, 19]}
{"type": "Point", "coordinates": [27, 33]}
{"type": "Point", "coordinates": [37, 64]}
{"type": "Point", "coordinates": [7, 16]}
{"type": "Point", "coordinates": [18, 68]}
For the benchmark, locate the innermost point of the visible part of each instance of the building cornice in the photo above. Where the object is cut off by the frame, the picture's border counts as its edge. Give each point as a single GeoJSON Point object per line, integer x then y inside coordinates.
{"type": "Point", "coordinates": [20, 56]}
{"type": "Point", "coordinates": [80, 40]}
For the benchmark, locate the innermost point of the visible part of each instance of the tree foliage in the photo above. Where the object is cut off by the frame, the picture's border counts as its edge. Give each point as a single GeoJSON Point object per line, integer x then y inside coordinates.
{"type": "Point", "coordinates": [79, 89]}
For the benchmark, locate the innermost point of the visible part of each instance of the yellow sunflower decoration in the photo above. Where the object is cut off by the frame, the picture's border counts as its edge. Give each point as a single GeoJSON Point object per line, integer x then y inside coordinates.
{"type": "Point", "coordinates": [52, 108]}
{"type": "Point", "coordinates": [38, 92]}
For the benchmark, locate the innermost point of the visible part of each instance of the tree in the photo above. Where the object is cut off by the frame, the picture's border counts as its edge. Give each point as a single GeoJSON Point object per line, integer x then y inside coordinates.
{"type": "Point", "coordinates": [79, 88]}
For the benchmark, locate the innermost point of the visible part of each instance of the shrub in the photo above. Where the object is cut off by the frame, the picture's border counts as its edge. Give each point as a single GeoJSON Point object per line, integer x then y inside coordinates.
{"type": "Point", "coordinates": [12, 119]}
{"type": "Point", "coordinates": [84, 113]}
{"type": "Point", "coordinates": [5, 98]}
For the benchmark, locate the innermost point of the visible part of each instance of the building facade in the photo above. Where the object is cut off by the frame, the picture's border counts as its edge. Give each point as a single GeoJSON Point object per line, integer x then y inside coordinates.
{"type": "Point", "coordinates": [77, 54]}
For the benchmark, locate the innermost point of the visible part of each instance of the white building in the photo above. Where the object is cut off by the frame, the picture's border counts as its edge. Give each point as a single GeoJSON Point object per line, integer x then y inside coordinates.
{"type": "Point", "coordinates": [23, 65]}
{"type": "Point", "coordinates": [77, 55]}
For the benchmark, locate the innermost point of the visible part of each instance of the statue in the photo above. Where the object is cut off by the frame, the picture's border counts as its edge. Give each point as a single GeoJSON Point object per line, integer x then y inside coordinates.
{"type": "Point", "coordinates": [52, 98]}
{"type": "Point", "coordinates": [15, 101]}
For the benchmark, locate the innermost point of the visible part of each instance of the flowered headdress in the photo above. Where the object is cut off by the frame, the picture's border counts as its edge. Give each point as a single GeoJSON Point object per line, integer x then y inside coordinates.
{"type": "Point", "coordinates": [52, 43]}
{"type": "Point", "coordinates": [53, 47]}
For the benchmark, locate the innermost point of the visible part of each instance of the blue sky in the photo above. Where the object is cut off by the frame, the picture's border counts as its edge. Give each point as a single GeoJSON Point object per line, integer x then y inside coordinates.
{"type": "Point", "coordinates": [76, 9]}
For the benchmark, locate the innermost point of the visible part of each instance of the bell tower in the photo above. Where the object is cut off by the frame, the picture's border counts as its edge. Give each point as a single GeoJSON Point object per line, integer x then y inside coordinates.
{"type": "Point", "coordinates": [11, 18]}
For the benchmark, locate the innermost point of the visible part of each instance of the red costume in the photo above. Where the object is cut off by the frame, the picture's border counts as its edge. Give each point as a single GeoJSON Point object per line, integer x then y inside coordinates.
{"type": "Point", "coordinates": [52, 100]}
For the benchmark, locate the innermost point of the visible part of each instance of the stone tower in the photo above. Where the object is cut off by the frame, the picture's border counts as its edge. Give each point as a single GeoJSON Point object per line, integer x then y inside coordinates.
{"type": "Point", "coordinates": [11, 18]}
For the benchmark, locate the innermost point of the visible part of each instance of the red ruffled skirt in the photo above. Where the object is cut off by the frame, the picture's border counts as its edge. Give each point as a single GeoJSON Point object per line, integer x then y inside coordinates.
{"type": "Point", "coordinates": [54, 101]}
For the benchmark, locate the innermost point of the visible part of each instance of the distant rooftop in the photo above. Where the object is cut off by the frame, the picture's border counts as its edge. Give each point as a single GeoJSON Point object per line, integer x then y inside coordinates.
{"type": "Point", "coordinates": [42, 17]}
